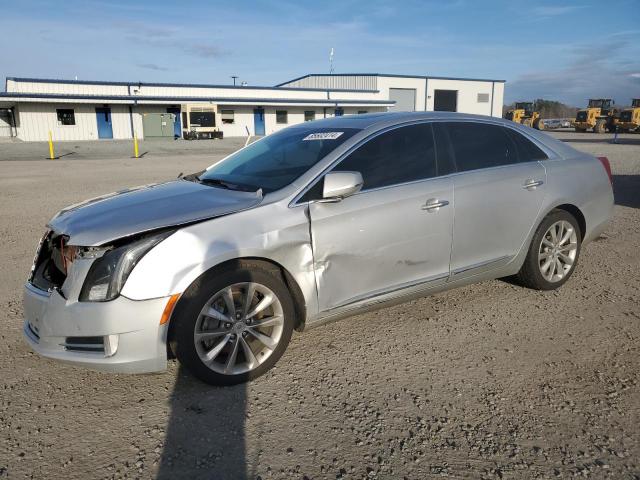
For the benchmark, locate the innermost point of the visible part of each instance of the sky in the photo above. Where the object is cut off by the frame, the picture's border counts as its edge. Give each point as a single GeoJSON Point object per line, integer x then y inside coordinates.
{"type": "Point", "coordinates": [556, 50]}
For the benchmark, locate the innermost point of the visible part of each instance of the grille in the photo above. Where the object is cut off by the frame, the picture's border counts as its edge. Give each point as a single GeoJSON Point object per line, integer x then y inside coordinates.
{"type": "Point", "coordinates": [581, 117]}
{"type": "Point", "coordinates": [84, 344]}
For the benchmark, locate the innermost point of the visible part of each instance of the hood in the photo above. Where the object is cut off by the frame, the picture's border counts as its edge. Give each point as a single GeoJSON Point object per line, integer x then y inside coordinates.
{"type": "Point", "coordinates": [149, 207]}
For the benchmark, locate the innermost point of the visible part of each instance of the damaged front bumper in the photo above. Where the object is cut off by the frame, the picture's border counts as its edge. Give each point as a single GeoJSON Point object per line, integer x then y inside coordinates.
{"type": "Point", "coordinates": [120, 335]}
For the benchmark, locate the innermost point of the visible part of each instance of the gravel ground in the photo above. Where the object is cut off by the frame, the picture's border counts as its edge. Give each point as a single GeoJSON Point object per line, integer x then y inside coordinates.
{"type": "Point", "coordinates": [487, 381]}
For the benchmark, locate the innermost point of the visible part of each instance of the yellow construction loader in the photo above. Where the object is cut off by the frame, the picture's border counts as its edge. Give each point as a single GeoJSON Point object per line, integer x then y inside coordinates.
{"type": "Point", "coordinates": [630, 117]}
{"type": "Point", "coordinates": [525, 113]}
{"type": "Point", "coordinates": [599, 116]}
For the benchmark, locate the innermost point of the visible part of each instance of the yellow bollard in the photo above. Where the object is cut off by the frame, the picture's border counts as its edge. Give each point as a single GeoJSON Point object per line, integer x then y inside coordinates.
{"type": "Point", "coordinates": [135, 147]}
{"type": "Point", "coordinates": [51, 154]}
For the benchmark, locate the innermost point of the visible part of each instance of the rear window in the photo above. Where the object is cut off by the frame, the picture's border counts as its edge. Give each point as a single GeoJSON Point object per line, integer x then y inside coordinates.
{"type": "Point", "coordinates": [278, 159]}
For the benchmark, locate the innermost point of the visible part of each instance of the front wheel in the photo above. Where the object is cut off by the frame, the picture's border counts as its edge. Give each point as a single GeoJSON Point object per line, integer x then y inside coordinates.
{"type": "Point", "coordinates": [234, 324]}
{"type": "Point", "coordinates": [553, 253]}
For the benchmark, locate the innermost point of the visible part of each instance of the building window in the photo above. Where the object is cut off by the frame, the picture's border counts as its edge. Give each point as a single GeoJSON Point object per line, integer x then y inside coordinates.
{"type": "Point", "coordinates": [309, 115]}
{"type": "Point", "coordinates": [202, 119]}
{"type": "Point", "coordinates": [483, 98]}
{"type": "Point", "coordinates": [360, 112]}
{"type": "Point", "coordinates": [339, 112]}
{"type": "Point", "coordinates": [281, 116]}
{"type": "Point", "coordinates": [227, 116]}
{"type": "Point", "coordinates": [66, 116]}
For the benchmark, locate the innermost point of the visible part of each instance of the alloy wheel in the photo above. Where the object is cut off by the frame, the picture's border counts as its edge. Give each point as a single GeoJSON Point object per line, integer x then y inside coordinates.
{"type": "Point", "coordinates": [558, 250]}
{"type": "Point", "coordinates": [239, 328]}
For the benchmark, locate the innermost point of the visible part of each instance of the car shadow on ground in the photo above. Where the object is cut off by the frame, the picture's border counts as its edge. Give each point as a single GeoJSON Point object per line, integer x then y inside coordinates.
{"type": "Point", "coordinates": [205, 432]}
{"type": "Point", "coordinates": [626, 190]}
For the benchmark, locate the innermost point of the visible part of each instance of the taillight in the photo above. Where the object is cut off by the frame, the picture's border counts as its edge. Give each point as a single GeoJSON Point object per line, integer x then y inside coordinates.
{"type": "Point", "coordinates": [607, 167]}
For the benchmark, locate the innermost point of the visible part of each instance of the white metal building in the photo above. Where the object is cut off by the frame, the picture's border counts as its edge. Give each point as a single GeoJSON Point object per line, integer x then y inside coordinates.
{"type": "Point", "coordinates": [89, 110]}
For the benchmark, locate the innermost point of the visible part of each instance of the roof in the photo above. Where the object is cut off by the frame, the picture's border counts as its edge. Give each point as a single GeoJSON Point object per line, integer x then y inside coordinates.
{"type": "Point", "coordinates": [177, 85]}
{"type": "Point", "coordinates": [280, 85]}
{"type": "Point", "coordinates": [177, 99]}
{"type": "Point", "coordinates": [367, 120]}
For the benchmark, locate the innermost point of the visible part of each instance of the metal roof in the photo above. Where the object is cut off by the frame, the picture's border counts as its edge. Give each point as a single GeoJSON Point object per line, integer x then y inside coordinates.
{"type": "Point", "coordinates": [177, 99]}
{"type": "Point", "coordinates": [177, 85]}
{"type": "Point", "coordinates": [280, 85]}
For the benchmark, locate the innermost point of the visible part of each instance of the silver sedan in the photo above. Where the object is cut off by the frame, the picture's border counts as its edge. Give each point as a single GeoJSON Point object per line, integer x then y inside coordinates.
{"type": "Point", "coordinates": [314, 223]}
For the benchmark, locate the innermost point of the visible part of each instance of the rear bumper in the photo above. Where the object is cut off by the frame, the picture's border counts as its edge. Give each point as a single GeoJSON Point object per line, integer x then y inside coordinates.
{"type": "Point", "coordinates": [135, 342]}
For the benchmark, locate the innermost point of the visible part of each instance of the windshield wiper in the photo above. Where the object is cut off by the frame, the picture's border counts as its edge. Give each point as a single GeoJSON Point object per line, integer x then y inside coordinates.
{"type": "Point", "coordinates": [227, 185]}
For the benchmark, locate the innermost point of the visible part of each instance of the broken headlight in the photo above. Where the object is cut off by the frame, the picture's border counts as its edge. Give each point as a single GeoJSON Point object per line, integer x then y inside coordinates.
{"type": "Point", "coordinates": [107, 274]}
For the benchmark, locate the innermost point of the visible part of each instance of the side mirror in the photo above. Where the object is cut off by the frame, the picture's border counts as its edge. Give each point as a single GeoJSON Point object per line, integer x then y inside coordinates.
{"type": "Point", "coordinates": [339, 185]}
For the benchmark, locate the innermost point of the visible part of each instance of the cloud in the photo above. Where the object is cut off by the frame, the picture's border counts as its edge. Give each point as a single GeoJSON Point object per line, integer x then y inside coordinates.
{"type": "Point", "coordinates": [554, 10]}
{"type": "Point", "coordinates": [153, 66]}
{"type": "Point", "coordinates": [593, 72]}
{"type": "Point", "coordinates": [204, 51]}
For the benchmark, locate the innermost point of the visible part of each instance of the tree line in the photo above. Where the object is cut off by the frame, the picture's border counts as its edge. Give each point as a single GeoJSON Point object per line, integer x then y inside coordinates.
{"type": "Point", "coordinates": [548, 109]}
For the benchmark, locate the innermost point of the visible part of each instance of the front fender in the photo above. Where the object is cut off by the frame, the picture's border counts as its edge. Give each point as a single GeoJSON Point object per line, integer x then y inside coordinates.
{"type": "Point", "coordinates": [272, 232]}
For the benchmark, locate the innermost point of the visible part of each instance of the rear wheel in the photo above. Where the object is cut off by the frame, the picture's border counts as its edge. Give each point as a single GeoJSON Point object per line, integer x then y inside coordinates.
{"type": "Point", "coordinates": [235, 325]}
{"type": "Point", "coordinates": [600, 126]}
{"type": "Point", "coordinates": [553, 253]}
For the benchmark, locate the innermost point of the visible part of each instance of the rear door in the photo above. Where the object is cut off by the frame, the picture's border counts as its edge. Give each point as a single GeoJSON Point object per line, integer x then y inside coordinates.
{"type": "Point", "coordinates": [497, 196]}
{"type": "Point", "coordinates": [389, 236]}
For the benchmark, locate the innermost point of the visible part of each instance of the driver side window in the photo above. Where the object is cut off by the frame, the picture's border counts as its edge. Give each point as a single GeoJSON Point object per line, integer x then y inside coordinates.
{"type": "Point", "coordinates": [401, 155]}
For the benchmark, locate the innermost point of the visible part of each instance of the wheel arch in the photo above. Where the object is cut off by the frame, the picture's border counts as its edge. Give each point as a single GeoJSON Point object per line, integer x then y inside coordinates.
{"type": "Point", "coordinates": [292, 285]}
{"type": "Point", "coordinates": [576, 213]}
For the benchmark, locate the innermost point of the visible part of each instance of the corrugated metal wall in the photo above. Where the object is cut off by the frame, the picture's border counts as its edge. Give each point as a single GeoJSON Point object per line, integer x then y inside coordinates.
{"type": "Point", "coordinates": [349, 82]}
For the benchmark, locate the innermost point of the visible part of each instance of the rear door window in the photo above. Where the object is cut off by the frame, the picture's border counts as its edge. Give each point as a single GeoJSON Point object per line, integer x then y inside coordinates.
{"type": "Point", "coordinates": [478, 145]}
{"type": "Point", "coordinates": [527, 150]}
{"type": "Point", "coordinates": [401, 155]}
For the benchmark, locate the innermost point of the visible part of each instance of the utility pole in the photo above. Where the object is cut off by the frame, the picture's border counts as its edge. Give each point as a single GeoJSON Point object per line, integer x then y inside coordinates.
{"type": "Point", "coordinates": [235, 77]}
{"type": "Point", "coordinates": [331, 62]}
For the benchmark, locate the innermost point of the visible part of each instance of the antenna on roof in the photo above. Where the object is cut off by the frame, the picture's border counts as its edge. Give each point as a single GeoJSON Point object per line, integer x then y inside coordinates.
{"type": "Point", "coordinates": [331, 62]}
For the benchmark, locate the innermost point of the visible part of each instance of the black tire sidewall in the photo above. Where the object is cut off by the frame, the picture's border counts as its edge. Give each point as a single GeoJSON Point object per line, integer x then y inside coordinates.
{"type": "Point", "coordinates": [532, 269]}
{"type": "Point", "coordinates": [201, 291]}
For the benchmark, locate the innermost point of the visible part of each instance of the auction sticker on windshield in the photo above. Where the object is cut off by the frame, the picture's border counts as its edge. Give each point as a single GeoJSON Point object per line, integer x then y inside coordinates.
{"type": "Point", "coordinates": [323, 136]}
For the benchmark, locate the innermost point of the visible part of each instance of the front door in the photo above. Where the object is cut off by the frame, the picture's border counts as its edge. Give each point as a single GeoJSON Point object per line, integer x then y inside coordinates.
{"type": "Point", "coordinates": [258, 121]}
{"type": "Point", "coordinates": [105, 128]}
{"type": "Point", "coordinates": [389, 236]}
{"type": "Point", "coordinates": [177, 126]}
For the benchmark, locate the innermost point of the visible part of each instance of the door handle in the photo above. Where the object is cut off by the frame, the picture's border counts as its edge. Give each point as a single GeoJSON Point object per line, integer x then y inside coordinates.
{"type": "Point", "coordinates": [433, 204]}
{"type": "Point", "coordinates": [531, 184]}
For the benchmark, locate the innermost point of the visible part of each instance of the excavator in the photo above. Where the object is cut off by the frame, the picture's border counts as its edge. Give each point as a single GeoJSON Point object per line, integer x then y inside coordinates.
{"type": "Point", "coordinates": [525, 113]}
{"type": "Point", "coordinates": [630, 117]}
{"type": "Point", "coordinates": [599, 116]}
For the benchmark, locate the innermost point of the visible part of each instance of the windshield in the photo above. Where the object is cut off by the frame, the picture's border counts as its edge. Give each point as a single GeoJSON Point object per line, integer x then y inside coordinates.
{"type": "Point", "coordinates": [599, 103]}
{"type": "Point", "coordinates": [276, 160]}
{"type": "Point", "coordinates": [524, 106]}
{"type": "Point", "coordinates": [635, 102]}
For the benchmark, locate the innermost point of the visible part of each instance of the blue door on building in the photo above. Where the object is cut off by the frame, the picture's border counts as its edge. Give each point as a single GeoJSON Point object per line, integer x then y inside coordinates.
{"type": "Point", "coordinates": [177, 126]}
{"type": "Point", "coordinates": [258, 121]}
{"type": "Point", "coordinates": [105, 129]}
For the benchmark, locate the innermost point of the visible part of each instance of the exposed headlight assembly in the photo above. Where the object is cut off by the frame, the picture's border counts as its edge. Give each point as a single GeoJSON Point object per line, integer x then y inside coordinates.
{"type": "Point", "coordinates": [107, 274]}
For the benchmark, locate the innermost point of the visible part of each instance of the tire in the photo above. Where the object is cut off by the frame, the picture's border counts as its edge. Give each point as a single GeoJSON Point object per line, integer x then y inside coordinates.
{"type": "Point", "coordinates": [532, 274]}
{"type": "Point", "coordinates": [526, 122]}
{"type": "Point", "coordinates": [208, 294]}
{"type": "Point", "coordinates": [600, 126]}
{"type": "Point", "coordinates": [539, 125]}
